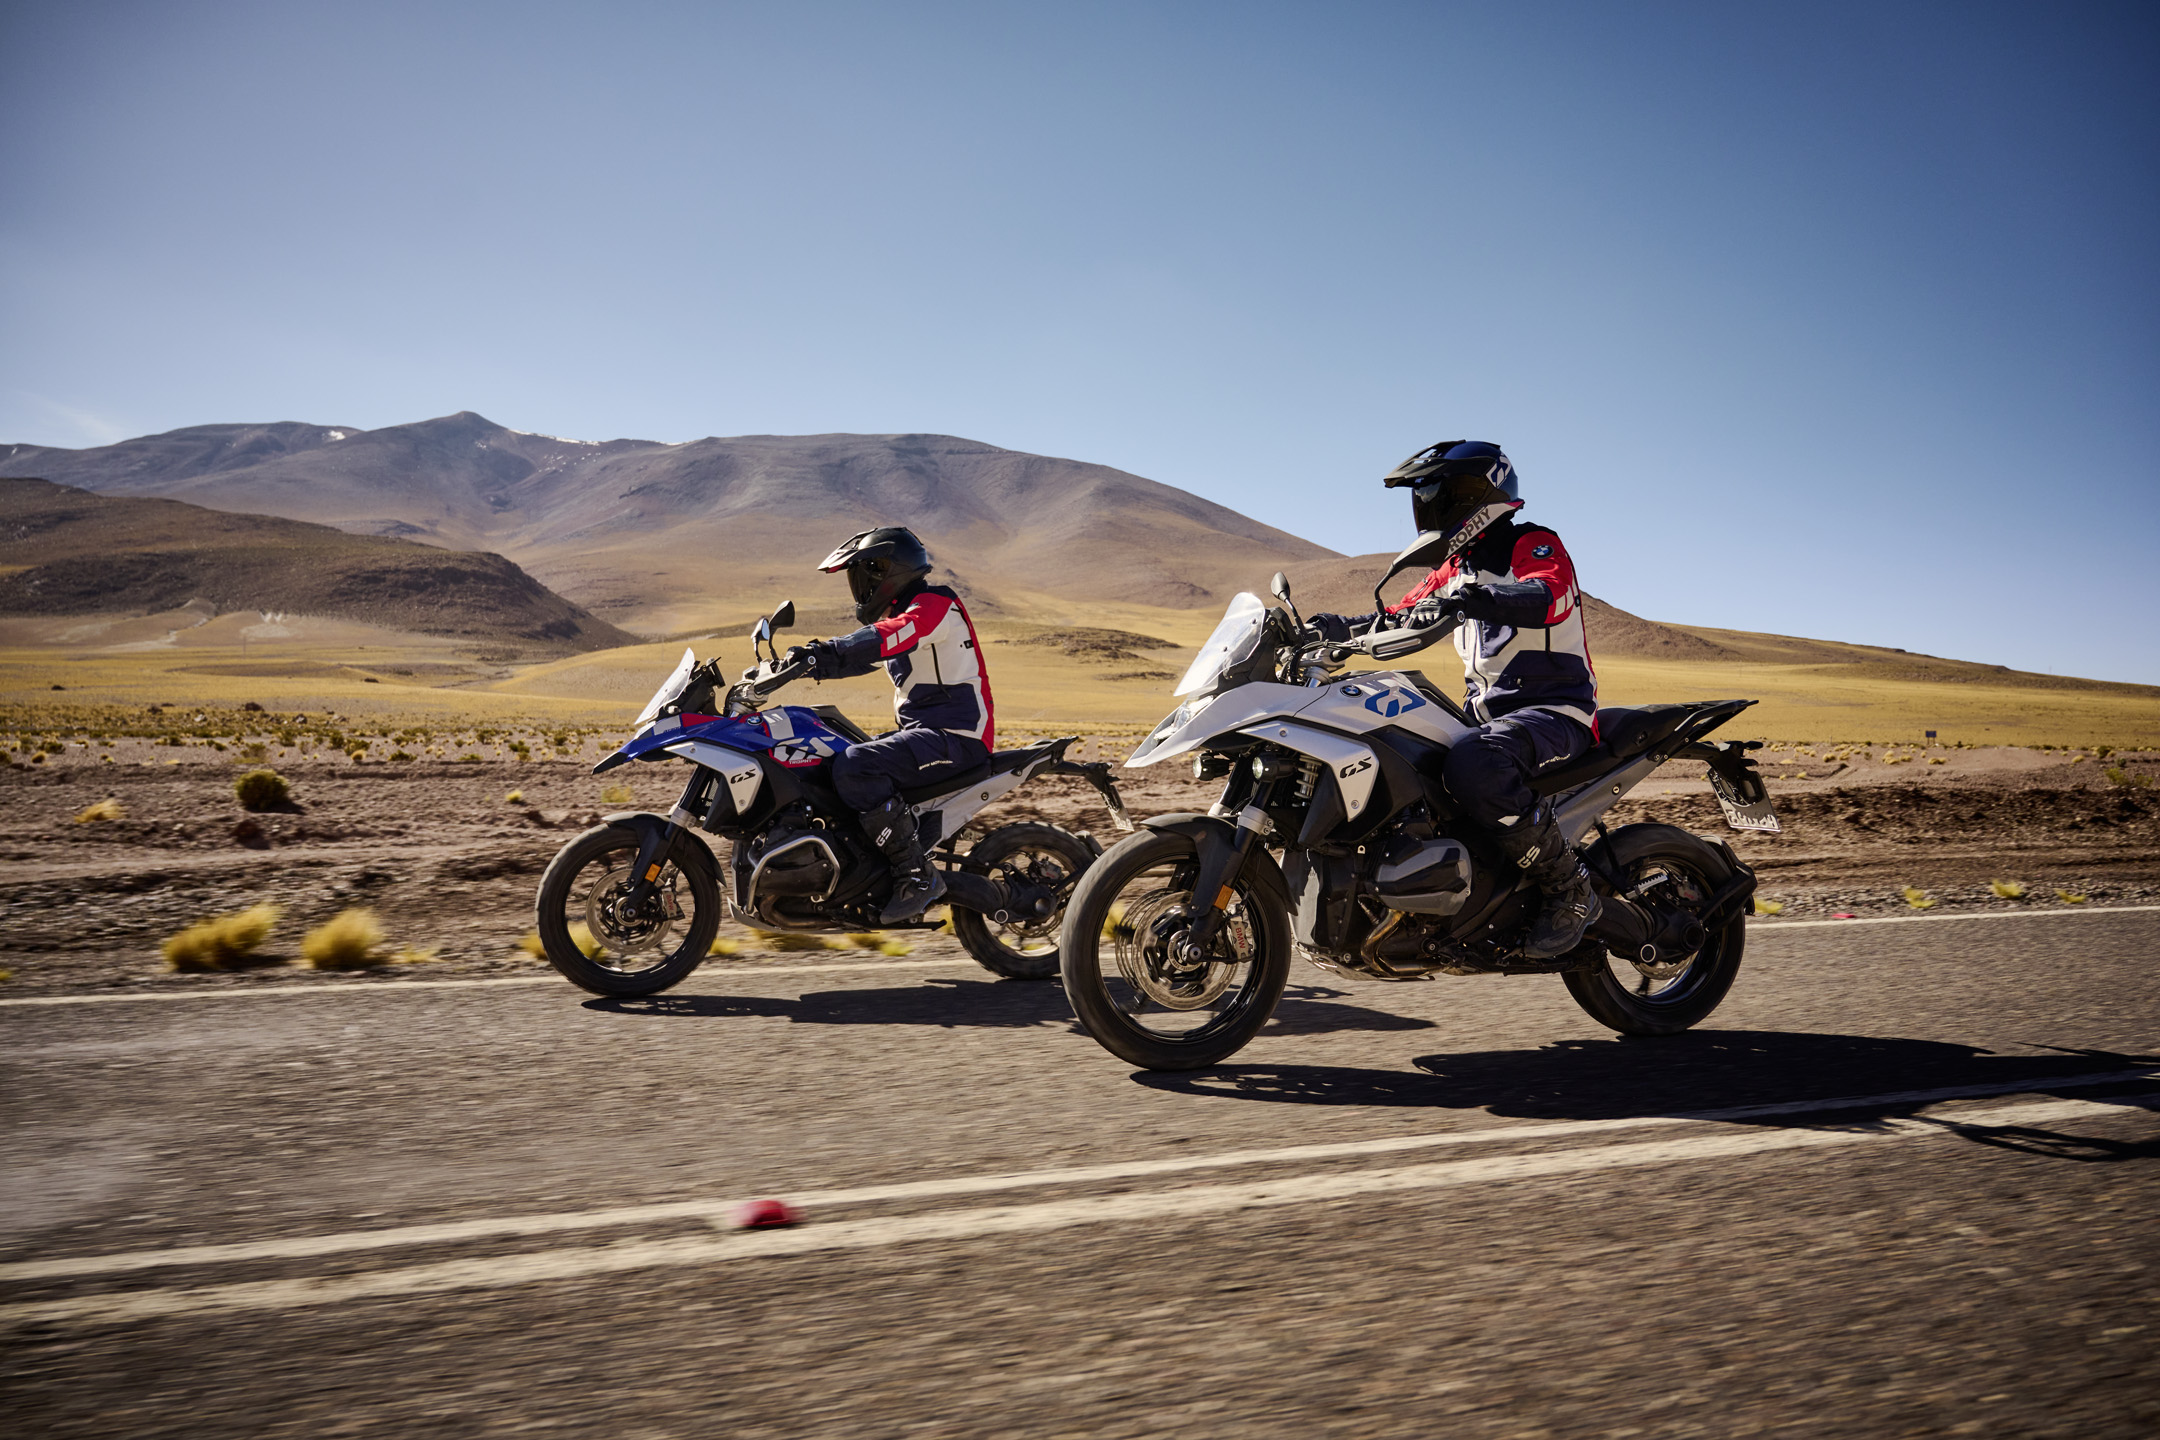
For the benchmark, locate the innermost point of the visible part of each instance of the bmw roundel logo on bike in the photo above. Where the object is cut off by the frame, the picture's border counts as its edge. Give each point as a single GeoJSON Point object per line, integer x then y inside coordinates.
{"type": "Point", "coordinates": [1392, 701]}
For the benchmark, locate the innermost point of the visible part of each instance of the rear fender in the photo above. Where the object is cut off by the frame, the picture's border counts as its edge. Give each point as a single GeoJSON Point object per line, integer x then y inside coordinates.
{"type": "Point", "coordinates": [1216, 841]}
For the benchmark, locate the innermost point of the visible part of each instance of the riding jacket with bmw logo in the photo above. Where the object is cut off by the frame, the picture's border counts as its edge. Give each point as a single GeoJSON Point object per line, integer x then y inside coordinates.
{"type": "Point", "coordinates": [1522, 640]}
{"type": "Point", "coordinates": [931, 655]}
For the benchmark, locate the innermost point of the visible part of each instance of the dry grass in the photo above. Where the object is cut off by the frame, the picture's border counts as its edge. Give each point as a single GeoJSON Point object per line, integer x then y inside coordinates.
{"type": "Point", "coordinates": [580, 935]}
{"type": "Point", "coordinates": [104, 810]}
{"type": "Point", "coordinates": [788, 940]}
{"type": "Point", "coordinates": [618, 795]}
{"type": "Point", "coordinates": [348, 940]}
{"type": "Point", "coordinates": [261, 789]}
{"type": "Point", "coordinates": [2007, 889]}
{"type": "Point", "coordinates": [223, 942]}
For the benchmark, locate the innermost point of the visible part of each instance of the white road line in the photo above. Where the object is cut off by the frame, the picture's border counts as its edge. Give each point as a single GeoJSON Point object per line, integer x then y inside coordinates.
{"type": "Point", "coordinates": [500, 1271]}
{"type": "Point", "coordinates": [303, 1246]}
{"type": "Point", "coordinates": [400, 987]}
{"type": "Point", "coordinates": [1758, 924]}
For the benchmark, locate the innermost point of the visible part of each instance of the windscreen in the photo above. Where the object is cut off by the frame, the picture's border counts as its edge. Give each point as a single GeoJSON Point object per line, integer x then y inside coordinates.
{"type": "Point", "coordinates": [671, 687]}
{"type": "Point", "coordinates": [1234, 640]}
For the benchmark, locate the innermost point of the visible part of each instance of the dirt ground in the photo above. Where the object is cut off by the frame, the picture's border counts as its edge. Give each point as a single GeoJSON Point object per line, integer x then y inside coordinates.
{"type": "Point", "coordinates": [449, 863]}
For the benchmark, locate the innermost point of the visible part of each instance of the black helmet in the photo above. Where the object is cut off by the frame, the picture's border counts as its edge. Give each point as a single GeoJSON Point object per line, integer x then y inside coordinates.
{"type": "Point", "coordinates": [1457, 488]}
{"type": "Point", "coordinates": [882, 565]}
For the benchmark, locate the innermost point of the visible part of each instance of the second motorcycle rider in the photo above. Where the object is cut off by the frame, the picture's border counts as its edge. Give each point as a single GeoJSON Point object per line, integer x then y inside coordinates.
{"type": "Point", "coordinates": [1526, 665]}
{"type": "Point", "coordinates": [921, 633]}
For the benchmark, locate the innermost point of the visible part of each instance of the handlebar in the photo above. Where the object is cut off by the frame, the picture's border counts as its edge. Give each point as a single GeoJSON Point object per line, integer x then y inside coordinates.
{"type": "Point", "coordinates": [1379, 644]}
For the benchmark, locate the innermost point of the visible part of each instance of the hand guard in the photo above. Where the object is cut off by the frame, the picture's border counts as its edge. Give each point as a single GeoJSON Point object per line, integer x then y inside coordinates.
{"type": "Point", "coordinates": [818, 658]}
{"type": "Point", "coordinates": [1429, 611]}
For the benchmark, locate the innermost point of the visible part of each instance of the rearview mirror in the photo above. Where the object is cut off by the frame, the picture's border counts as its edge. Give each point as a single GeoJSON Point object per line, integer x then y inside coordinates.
{"type": "Point", "coordinates": [1429, 549]}
{"type": "Point", "coordinates": [761, 633]}
{"type": "Point", "coordinates": [1279, 587]}
{"type": "Point", "coordinates": [784, 616]}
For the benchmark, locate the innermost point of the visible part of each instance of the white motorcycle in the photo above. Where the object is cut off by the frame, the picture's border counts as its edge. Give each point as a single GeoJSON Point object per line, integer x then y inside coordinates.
{"type": "Point", "coordinates": [1178, 940]}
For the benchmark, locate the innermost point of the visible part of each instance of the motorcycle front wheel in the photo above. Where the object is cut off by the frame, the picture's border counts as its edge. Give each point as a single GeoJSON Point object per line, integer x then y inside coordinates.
{"type": "Point", "coordinates": [1674, 870]}
{"type": "Point", "coordinates": [599, 941]}
{"type": "Point", "coordinates": [1135, 993]}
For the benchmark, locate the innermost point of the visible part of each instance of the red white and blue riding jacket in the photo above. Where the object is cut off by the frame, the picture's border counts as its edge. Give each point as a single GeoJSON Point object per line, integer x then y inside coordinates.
{"type": "Point", "coordinates": [930, 653]}
{"type": "Point", "coordinates": [1522, 641]}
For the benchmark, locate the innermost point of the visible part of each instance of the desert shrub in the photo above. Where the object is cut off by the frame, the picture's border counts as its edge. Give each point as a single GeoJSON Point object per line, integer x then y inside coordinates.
{"type": "Point", "coordinates": [221, 942]}
{"type": "Point", "coordinates": [617, 795]}
{"type": "Point", "coordinates": [515, 797]}
{"type": "Point", "coordinates": [866, 940]}
{"type": "Point", "coordinates": [346, 941]}
{"type": "Point", "coordinates": [2117, 775]}
{"type": "Point", "coordinates": [407, 955]}
{"type": "Point", "coordinates": [400, 757]}
{"type": "Point", "coordinates": [103, 810]}
{"type": "Point", "coordinates": [580, 935]}
{"type": "Point", "coordinates": [261, 789]}
{"type": "Point", "coordinates": [721, 945]}
{"type": "Point", "coordinates": [2007, 889]}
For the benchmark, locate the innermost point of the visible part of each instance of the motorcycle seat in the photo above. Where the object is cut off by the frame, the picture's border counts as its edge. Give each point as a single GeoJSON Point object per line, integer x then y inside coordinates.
{"type": "Point", "coordinates": [1623, 733]}
{"type": "Point", "coordinates": [1003, 762]}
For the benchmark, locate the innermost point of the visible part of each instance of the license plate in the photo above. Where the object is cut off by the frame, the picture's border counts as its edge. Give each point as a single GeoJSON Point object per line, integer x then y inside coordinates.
{"type": "Point", "coordinates": [1742, 814]}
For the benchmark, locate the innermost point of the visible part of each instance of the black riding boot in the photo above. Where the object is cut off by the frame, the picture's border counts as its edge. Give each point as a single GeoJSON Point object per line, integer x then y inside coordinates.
{"type": "Point", "coordinates": [1536, 846]}
{"type": "Point", "coordinates": [916, 882]}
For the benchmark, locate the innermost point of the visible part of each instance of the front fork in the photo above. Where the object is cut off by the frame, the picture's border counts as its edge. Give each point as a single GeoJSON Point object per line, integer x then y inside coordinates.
{"type": "Point", "coordinates": [660, 840]}
{"type": "Point", "coordinates": [1216, 884]}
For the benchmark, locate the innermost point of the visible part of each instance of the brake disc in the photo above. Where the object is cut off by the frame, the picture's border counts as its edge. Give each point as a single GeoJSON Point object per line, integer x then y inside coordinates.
{"type": "Point", "coordinates": [604, 911]}
{"type": "Point", "coordinates": [1146, 944]}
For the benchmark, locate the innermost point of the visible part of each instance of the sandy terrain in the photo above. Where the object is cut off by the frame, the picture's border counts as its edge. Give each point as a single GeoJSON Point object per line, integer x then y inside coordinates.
{"type": "Point", "coordinates": [449, 863]}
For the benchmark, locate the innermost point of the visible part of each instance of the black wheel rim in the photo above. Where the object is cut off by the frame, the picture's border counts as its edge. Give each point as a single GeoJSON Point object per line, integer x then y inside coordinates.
{"type": "Point", "coordinates": [616, 937]}
{"type": "Point", "coordinates": [1030, 872]}
{"type": "Point", "coordinates": [1667, 883]}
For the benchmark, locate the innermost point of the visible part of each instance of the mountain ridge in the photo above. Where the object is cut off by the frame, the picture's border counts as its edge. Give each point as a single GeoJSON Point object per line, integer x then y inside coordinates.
{"type": "Point", "coordinates": [588, 517]}
{"type": "Point", "coordinates": [68, 551]}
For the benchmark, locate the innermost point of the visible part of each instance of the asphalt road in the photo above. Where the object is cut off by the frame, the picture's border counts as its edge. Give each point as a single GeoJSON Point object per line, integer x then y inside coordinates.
{"type": "Point", "coordinates": [1458, 1208]}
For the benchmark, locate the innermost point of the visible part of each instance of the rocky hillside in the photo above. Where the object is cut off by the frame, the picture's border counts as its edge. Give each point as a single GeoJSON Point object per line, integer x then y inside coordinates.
{"type": "Point", "coordinates": [65, 551]}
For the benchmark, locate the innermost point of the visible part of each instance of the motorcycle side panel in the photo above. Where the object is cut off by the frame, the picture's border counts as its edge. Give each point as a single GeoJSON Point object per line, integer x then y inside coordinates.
{"type": "Point", "coordinates": [1354, 766]}
{"type": "Point", "coordinates": [957, 809]}
{"type": "Point", "coordinates": [743, 774]}
{"type": "Point", "coordinates": [1381, 697]}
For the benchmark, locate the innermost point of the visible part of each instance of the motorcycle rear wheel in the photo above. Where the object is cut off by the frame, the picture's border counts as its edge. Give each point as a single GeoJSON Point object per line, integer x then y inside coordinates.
{"type": "Point", "coordinates": [619, 954]}
{"type": "Point", "coordinates": [1131, 902]}
{"type": "Point", "coordinates": [1029, 854]}
{"type": "Point", "coordinates": [1664, 999]}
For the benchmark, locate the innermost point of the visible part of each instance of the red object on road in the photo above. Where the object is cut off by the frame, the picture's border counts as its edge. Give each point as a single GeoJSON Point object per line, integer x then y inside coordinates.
{"type": "Point", "coordinates": [766, 1215]}
{"type": "Point", "coordinates": [1843, 915]}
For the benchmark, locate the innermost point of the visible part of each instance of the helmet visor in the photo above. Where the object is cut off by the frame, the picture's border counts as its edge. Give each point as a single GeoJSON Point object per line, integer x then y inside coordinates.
{"type": "Point", "coordinates": [1445, 500]}
{"type": "Point", "coordinates": [863, 577]}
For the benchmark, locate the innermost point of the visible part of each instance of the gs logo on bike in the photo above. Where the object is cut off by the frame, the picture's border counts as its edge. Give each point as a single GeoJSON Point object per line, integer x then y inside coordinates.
{"type": "Point", "coordinates": [1392, 702]}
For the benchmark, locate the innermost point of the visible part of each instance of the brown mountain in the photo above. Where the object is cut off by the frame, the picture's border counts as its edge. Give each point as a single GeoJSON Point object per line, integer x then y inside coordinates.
{"type": "Point", "coordinates": [660, 536]}
{"type": "Point", "coordinates": [65, 551]}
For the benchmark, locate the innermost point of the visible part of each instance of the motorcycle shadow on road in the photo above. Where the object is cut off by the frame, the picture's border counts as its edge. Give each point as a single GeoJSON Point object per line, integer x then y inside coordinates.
{"type": "Point", "coordinates": [1621, 1078]}
{"type": "Point", "coordinates": [979, 1004]}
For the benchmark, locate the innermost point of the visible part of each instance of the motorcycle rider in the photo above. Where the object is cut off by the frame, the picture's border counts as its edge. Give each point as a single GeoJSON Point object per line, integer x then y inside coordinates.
{"type": "Point", "coordinates": [1526, 667]}
{"type": "Point", "coordinates": [941, 696]}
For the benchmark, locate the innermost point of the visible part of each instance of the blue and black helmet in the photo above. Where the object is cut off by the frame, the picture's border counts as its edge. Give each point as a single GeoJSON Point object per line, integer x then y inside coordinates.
{"type": "Point", "coordinates": [1457, 488]}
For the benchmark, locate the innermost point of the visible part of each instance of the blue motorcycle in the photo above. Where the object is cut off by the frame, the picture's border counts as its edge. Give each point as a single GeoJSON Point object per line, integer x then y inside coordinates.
{"type": "Point", "coordinates": [632, 906]}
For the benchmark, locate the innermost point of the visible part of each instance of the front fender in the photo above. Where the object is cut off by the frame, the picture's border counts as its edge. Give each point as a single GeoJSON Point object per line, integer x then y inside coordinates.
{"type": "Point", "coordinates": [1215, 839]}
{"type": "Point", "coordinates": [689, 849]}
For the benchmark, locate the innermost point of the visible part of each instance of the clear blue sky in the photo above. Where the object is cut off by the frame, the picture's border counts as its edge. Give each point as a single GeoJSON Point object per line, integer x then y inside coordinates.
{"type": "Point", "coordinates": [1831, 319]}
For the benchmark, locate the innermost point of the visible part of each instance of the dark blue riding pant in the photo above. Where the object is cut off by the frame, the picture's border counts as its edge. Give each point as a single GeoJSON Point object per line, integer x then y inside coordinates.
{"type": "Point", "coordinates": [868, 774]}
{"type": "Point", "coordinates": [1489, 770]}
